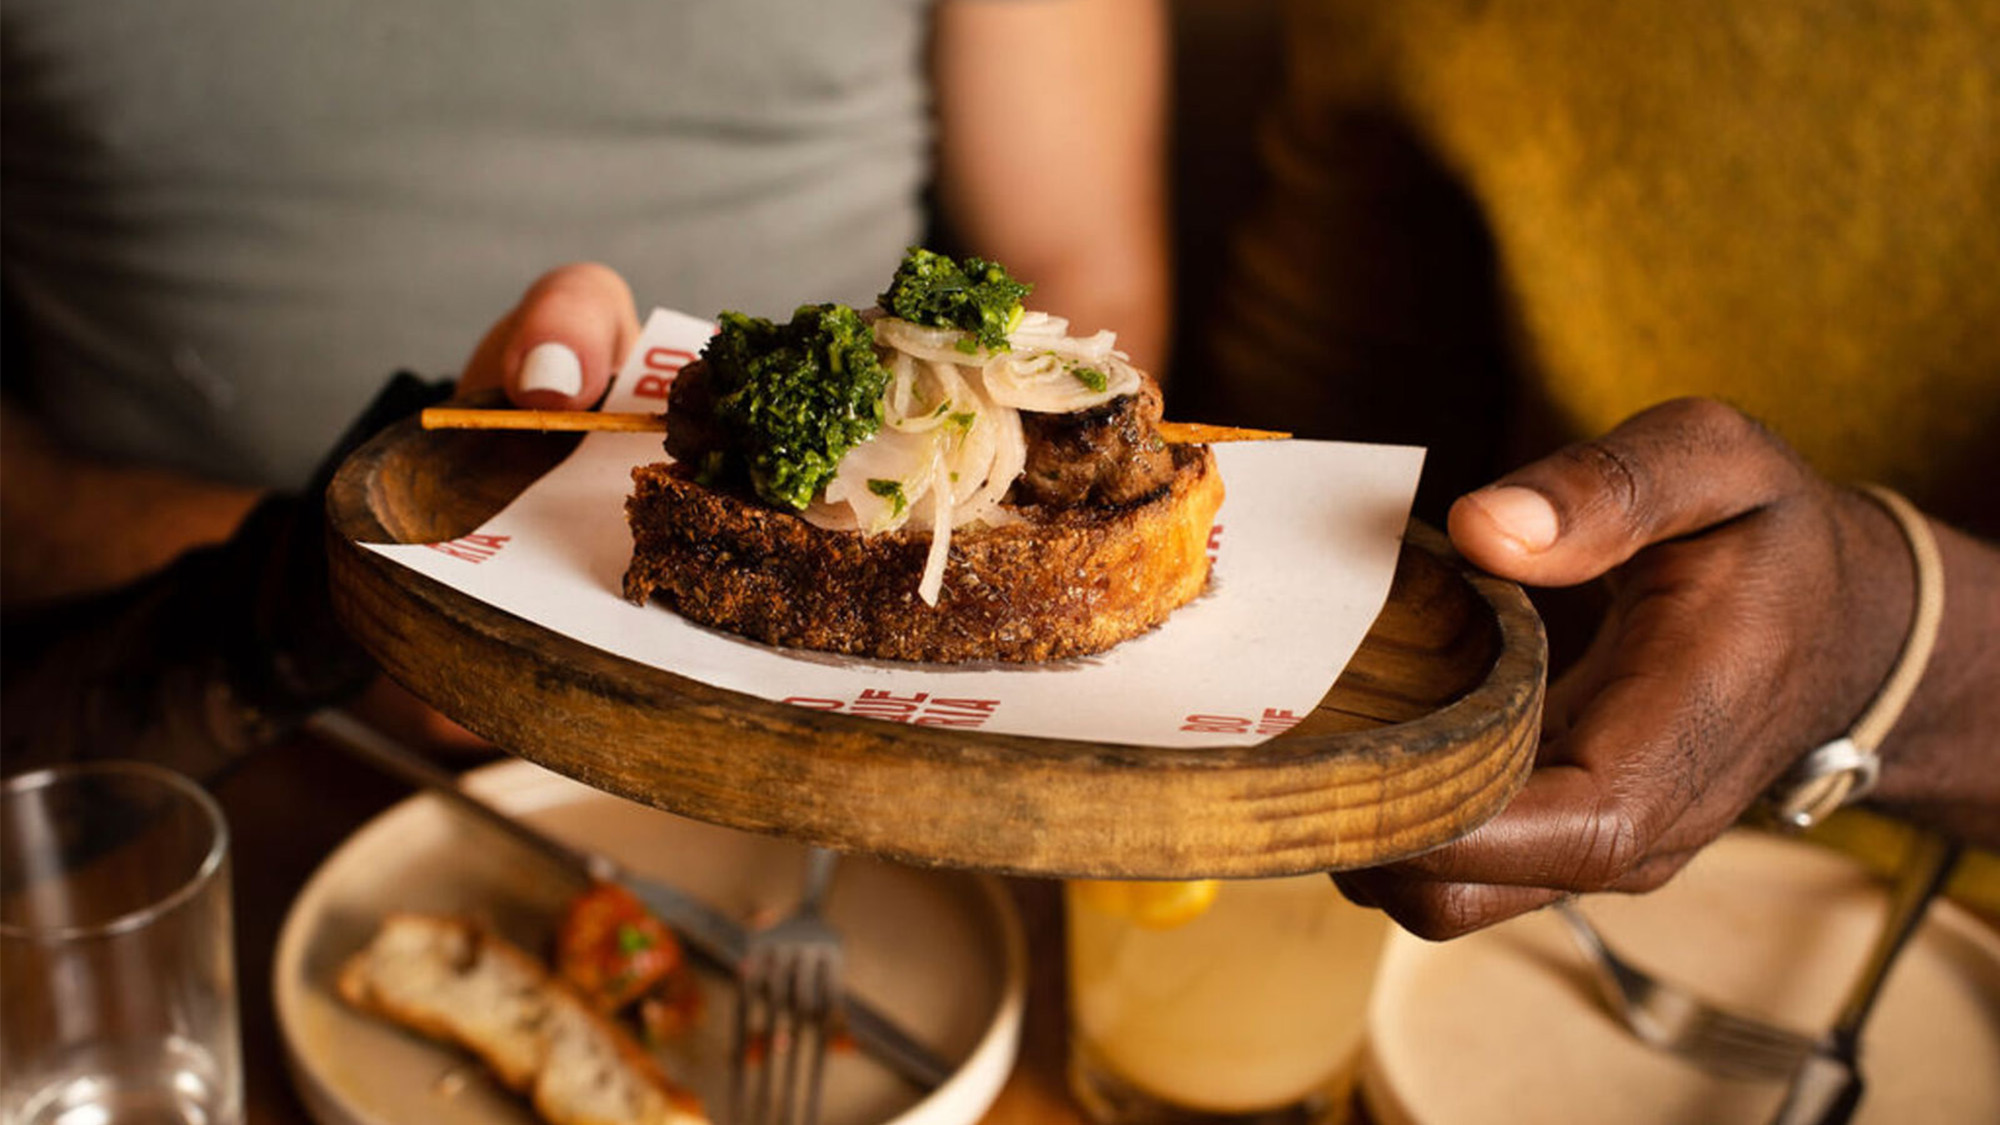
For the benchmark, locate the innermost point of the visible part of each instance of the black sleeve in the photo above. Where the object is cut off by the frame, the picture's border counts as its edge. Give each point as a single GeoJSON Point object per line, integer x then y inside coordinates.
{"type": "Point", "coordinates": [195, 666]}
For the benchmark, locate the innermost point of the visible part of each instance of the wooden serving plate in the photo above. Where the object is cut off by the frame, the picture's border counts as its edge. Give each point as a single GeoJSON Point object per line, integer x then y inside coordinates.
{"type": "Point", "coordinates": [1429, 731]}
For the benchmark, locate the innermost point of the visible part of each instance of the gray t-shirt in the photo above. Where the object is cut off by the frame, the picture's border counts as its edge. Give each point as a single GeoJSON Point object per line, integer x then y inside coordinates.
{"type": "Point", "coordinates": [227, 222]}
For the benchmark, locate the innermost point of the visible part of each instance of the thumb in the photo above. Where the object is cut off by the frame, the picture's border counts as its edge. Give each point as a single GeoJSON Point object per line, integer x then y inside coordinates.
{"type": "Point", "coordinates": [557, 349]}
{"type": "Point", "coordinates": [1669, 471]}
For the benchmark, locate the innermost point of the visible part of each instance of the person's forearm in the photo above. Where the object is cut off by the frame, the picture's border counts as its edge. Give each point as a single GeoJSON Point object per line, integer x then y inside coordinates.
{"type": "Point", "coordinates": [71, 525]}
{"type": "Point", "coordinates": [222, 650]}
{"type": "Point", "coordinates": [1941, 762]}
{"type": "Point", "coordinates": [1052, 155]}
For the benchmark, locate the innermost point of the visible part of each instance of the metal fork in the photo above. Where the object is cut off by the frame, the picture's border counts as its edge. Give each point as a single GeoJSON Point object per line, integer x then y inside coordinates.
{"type": "Point", "coordinates": [786, 999]}
{"type": "Point", "coordinates": [1828, 1087]}
{"type": "Point", "coordinates": [1671, 1018]}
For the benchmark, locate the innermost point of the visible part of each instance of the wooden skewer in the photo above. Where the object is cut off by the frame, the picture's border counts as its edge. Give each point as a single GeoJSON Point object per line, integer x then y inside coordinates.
{"type": "Point", "coordinates": [1201, 433]}
{"type": "Point", "coordinates": [569, 421]}
{"type": "Point", "coordinates": [459, 418]}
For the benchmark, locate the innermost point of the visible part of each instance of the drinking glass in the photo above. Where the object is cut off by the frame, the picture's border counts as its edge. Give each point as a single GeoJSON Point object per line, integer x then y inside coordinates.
{"type": "Point", "coordinates": [116, 961]}
{"type": "Point", "coordinates": [1239, 1001]}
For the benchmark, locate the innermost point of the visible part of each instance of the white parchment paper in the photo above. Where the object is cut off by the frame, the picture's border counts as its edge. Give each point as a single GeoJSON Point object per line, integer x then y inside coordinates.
{"type": "Point", "coordinates": [1304, 548]}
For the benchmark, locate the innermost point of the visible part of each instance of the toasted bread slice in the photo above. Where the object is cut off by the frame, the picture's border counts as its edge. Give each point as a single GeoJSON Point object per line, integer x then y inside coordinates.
{"type": "Point", "coordinates": [456, 982]}
{"type": "Point", "coordinates": [1059, 582]}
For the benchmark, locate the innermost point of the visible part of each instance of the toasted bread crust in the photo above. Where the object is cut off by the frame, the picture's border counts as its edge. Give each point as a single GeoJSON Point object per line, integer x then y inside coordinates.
{"type": "Point", "coordinates": [1059, 583]}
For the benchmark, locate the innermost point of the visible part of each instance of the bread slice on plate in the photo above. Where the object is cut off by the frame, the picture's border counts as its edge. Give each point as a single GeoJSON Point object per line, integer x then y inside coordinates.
{"type": "Point", "coordinates": [456, 982]}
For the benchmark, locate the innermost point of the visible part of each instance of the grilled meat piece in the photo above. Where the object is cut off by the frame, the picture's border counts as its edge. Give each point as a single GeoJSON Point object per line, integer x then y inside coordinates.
{"type": "Point", "coordinates": [1107, 456]}
{"type": "Point", "coordinates": [692, 432]}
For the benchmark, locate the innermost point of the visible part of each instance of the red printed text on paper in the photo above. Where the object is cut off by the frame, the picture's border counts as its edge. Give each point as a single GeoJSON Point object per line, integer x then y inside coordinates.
{"type": "Point", "coordinates": [472, 548]}
{"type": "Point", "coordinates": [918, 708]}
{"type": "Point", "coordinates": [661, 365]}
{"type": "Point", "coordinates": [1273, 721]}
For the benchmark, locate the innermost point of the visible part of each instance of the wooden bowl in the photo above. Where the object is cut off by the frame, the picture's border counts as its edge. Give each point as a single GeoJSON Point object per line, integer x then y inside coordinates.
{"type": "Point", "coordinates": [1429, 730]}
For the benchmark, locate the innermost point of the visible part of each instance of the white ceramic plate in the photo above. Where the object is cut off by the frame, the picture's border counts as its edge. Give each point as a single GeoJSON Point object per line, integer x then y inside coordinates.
{"type": "Point", "coordinates": [940, 952]}
{"type": "Point", "coordinates": [1502, 1026]}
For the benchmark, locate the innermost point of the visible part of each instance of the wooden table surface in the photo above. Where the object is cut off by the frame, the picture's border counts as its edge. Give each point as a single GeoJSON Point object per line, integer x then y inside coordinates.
{"type": "Point", "coordinates": [290, 806]}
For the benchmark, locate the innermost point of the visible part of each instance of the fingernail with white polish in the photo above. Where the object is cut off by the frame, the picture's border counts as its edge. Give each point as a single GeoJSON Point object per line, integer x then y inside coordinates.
{"type": "Point", "coordinates": [552, 367]}
{"type": "Point", "coordinates": [1521, 514]}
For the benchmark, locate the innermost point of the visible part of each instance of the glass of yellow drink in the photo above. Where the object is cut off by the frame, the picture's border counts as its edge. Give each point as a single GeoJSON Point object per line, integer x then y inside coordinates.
{"type": "Point", "coordinates": [1239, 1001]}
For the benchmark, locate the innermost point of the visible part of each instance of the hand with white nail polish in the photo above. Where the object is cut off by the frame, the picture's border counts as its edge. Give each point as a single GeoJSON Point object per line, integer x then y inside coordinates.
{"type": "Point", "coordinates": [550, 368]}
{"type": "Point", "coordinates": [1755, 610]}
{"type": "Point", "coordinates": [557, 348]}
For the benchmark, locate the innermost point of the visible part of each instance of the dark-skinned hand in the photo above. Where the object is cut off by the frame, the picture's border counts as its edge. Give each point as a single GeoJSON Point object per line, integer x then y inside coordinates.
{"type": "Point", "coordinates": [1755, 609]}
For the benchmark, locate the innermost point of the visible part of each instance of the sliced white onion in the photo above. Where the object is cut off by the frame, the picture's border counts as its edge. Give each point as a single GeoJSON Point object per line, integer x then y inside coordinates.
{"type": "Point", "coordinates": [969, 451]}
{"type": "Point", "coordinates": [1039, 329]}
{"type": "Point", "coordinates": [923, 342]}
{"type": "Point", "coordinates": [831, 516]}
{"type": "Point", "coordinates": [952, 437]}
{"type": "Point", "coordinates": [1097, 348]}
{"type": "Point", "coordinates": [1009, 455]}
{"type": "Point", "coordinates": [938, 393]}
{"type": "Point", "coordinates": [932, 582]}
{"type": "Point", "coordinates": [965, 451]}
{"type": "Point", "coordinates": [1048, 381]}
{"type": "Point", "coordinates": [899, 401]}
{"type": "Point", "coordinates": [891, 455]}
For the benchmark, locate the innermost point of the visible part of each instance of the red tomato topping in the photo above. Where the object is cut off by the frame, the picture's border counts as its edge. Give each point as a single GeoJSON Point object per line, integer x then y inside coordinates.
{"type": "Point", "coordinates": [612, 949]}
